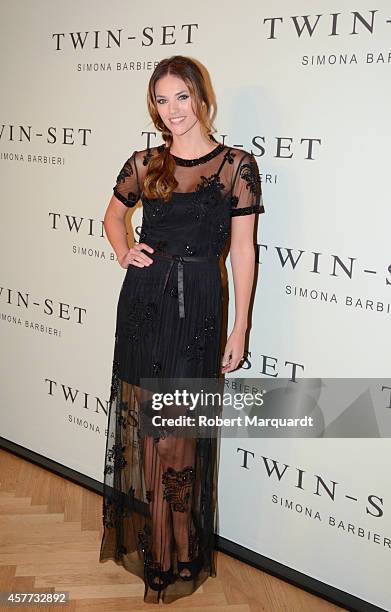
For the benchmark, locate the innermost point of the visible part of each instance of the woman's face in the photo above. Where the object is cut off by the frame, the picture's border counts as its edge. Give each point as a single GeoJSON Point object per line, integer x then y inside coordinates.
{"type": "Point", "coordinates": [174, 104]}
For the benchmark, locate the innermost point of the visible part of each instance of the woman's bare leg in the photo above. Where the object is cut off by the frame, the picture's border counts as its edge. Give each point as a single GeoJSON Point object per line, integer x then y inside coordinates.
{"type": "Point", "coordinates": [177, 456]}
{"type": "Point", "coordinates": [171, 483]}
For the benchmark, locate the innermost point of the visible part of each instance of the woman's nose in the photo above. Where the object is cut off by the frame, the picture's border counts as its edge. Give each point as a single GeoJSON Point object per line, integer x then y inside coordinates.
{"type": "Point", "coordinates": [173, 109]}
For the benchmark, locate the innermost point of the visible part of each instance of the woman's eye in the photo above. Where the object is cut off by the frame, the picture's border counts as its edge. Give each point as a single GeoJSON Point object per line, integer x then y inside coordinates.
{"type": "Point", "coordinates": [181, 97]}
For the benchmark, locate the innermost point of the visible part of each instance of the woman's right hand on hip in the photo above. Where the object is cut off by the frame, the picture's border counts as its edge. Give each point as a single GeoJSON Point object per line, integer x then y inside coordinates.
{"type": "Point", "coordinates": [136, 257]}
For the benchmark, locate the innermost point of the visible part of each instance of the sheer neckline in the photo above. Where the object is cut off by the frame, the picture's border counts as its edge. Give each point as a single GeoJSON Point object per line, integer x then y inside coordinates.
{"type": "Point", "coordinates": [181, 161]}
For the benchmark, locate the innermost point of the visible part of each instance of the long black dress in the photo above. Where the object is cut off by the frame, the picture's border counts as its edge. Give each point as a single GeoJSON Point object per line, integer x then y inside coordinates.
{"type": "Point", "coordinates": [160, 493]}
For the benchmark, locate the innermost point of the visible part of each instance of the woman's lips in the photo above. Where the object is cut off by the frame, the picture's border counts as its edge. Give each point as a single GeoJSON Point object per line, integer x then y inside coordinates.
{"type": "Point", "coordinates": [177, 119]}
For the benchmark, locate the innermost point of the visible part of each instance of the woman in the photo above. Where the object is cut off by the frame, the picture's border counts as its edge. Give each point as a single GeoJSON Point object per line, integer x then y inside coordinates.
{"type": "Point", "coordinates": [159, 506]}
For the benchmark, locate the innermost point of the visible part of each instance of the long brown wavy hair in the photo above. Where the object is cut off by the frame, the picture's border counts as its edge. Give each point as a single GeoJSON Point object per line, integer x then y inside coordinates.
{"type": "Point", "coordinates": [159, 181]}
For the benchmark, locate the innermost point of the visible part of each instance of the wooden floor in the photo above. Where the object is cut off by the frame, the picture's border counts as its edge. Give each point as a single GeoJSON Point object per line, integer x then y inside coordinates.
{"type": "Point", "coordinates": [50, 534]}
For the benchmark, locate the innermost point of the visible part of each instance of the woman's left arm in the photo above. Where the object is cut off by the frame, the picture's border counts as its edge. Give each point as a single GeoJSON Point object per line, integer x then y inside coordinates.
{"type": "Point", "coordinates": [242, 257]}
{"type": "Point", "coordinates": [246, 203]}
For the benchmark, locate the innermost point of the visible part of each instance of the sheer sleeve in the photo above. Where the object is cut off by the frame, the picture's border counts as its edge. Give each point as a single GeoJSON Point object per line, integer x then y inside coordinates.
{"type": "Point", "coordinates": [127, 187]}
{"type": "Point", "coordinates": [246, 196]}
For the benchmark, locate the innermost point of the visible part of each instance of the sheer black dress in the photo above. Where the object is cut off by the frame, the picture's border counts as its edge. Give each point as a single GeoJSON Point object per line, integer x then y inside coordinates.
{"type": "Point", "coordinates": [160, 493]}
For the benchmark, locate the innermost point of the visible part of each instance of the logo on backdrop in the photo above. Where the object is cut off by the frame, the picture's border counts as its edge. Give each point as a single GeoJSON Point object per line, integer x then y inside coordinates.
{"type": "Point", "coordinates": [331, 266]}
{"type": "Point", "coordinates": [282, 147]}
{"type": "Point", "coordinates": [147, 36]}
{"type": "Point", "coordinates": [39, 313]}
{"type": "Point", "coordinates": [333, 27]}
{"type": "Point", "coordinates": [324, 489]}
{"type": "Point", "coordinates": [111, 40]}
{"type": "Point", "coordinates": [49, 135]}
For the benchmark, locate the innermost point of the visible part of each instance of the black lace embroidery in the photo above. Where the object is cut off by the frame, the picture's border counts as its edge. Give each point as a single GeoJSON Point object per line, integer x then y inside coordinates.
{"type": "Point", "coordinates": [178, 487]}
{"type": "Point", "coordinates": [209, 189]}
{"type": "Point", "coordinates": [121, 416]}
{"type": "Point", "coordinates": [206, 197]}
{"type": "Point", "coordinates": [196, 348]}
{"type": "Point", "coordinates": [230, 156]}
{"type": "Point", "coordinates": [115, 507]}
{"type": "Point", "coordinates": [109, 513]}
{"type": "Point", "coordinates": [234, 201]}
{"type": "Point", "coordinates": [126, 172]}
{"type": "Point", "coordinates": [115, 458]}
{"type": "Point", "coordinates": [144, 544]}
{"type": "Point", "coordinates": [249, 172]}
{"type": "Point", "coordinates": [140, 319]}
{"type": "Point", "coordinates": [130, 200]}
{"type": "Point", "coordinates": [114, 381]}
{"type": "Point", "coordinates": [147, 157]}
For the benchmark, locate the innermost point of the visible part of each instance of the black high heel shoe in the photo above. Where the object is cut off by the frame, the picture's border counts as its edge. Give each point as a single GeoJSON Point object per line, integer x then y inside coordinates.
{"type": "Point", "coordinates": [164, 577]}
{"type": "Point", "coordinates": [193, 566]}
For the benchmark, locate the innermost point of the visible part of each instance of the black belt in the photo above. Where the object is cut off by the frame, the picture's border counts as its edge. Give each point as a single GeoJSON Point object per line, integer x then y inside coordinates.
{"type": "Point", "coordinates": [180, 259]}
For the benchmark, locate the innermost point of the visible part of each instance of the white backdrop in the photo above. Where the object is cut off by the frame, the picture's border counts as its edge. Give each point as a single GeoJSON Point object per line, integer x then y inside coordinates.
{"type": "Point", "coordinates": [310, 97]}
